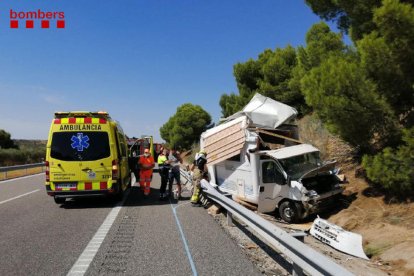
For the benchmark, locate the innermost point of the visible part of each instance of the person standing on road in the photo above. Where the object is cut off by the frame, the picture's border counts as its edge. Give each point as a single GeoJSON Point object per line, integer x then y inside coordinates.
{"type": "Point", "coordinates": [199, 169]}
{"type": "Point", "coordinates": [163, 169]}
{"type": "Point", "coordinates": [146, 164]}
{"type": "Point", "coordinates": [174, 160]}
{"type": "Point", "coordinates": [133, 164]}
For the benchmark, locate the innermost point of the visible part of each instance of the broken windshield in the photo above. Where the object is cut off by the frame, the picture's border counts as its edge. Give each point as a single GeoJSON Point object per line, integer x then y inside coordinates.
{"type": "Point", "coordinates": [297, 166]}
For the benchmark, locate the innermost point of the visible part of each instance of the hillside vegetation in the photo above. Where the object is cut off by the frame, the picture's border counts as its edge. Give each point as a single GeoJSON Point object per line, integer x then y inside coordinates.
{"type": "Point", "coordinates": [18, 152]}
{"type": "Point", "coordinates": [385, 222]}
{"type": "Point", "coordinates": [363, 93]}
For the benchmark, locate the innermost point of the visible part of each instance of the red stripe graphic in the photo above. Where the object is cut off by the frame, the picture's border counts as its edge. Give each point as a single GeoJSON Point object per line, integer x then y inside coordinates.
{"type": "Point", "coordinates": [88, 121]}
{"type": "Point", "coordinates": [57, 122]}
{"type": "Point", "coordinates": [103, 185]}
{"type": "Point", "coordinates": [72, 120]}
{"type": "Point", "coordinates": [102, 121]}
{"type": "Point", "coordinates": [88, 185]}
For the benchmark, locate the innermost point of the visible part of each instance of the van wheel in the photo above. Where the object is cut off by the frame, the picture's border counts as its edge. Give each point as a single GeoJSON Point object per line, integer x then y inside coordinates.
{"type": "Point", "coordinates": [290, 211]}
{"type": "Point", "coordinates": [59, 200]}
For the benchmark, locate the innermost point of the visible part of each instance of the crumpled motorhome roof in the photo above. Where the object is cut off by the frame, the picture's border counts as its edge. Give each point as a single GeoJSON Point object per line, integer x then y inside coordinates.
{"type": "Point", "coordinates": [265, 112]}
{"type": "Point", "coordinates": [291, 151]}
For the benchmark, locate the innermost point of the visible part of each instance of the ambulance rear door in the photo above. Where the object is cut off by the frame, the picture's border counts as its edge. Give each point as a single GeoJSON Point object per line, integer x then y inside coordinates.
{"type": "Point", "coordinates": [95, 161]}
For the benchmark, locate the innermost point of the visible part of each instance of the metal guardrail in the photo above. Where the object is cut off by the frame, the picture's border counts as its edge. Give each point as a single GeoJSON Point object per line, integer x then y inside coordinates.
{"type": "Point", "coordinates": [304, 258]}
{"type": "Point", "coordinates": [20, 167]}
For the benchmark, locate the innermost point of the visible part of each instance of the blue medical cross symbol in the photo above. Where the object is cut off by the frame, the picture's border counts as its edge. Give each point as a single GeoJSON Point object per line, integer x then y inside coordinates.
{"type": "Point", "coordinates": [80, 142]}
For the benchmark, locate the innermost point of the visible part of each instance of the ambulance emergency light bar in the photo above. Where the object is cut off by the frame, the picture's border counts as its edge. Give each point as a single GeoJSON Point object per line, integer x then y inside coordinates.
{"type": "Point", "coordinates": [99, 114]}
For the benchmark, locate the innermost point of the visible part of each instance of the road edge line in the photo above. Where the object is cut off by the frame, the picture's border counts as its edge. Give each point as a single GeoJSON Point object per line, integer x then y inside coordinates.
{"type": "Point", "coordinates": [187, 249]}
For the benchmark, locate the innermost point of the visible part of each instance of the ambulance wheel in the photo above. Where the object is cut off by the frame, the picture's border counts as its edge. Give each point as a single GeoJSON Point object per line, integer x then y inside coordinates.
{"type": "Point", "coordinates": [290, 211]}
{"type": "Point", "coordinates": [129, 182]}
{"type": "Point", "coordinates": [120, 194]}
{"type": "Point", "coordinates": [59, 200]}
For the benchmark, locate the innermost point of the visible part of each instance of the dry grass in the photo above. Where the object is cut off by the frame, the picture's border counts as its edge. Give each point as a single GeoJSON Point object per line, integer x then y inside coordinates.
{"type": "Point", "coordinates": [312, 131]}
{"type": "Point", "coordinates": [20, 173]}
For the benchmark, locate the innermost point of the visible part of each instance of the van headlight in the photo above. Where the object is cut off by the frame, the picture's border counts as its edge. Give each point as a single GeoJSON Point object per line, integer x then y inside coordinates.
{"type": "Point", "coordinates": [311, 193]}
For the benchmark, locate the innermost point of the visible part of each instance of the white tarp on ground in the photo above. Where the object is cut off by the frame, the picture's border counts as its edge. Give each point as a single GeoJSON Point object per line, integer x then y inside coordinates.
{"type": "Point", "coordinates": [265, 112]}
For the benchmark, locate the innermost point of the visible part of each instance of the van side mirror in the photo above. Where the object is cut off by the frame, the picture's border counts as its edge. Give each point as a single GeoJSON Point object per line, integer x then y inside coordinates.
{"type": "Point", "coordinates": [288, 180]}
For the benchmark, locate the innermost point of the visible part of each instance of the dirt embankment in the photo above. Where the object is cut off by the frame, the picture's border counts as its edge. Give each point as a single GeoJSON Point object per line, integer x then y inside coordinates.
{"type": "Point", "coordinates": [387, 227]}
{"type": "Point", "coordinates": [386, 224]}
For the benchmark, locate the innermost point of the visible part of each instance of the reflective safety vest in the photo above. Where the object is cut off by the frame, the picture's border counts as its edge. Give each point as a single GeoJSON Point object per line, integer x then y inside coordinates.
{"type": "Point", "coordinates": [161, 159]}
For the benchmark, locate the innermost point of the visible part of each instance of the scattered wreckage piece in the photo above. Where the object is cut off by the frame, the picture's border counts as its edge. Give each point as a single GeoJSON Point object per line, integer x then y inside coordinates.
{"type": "Point", "coordinates": [338, 238]}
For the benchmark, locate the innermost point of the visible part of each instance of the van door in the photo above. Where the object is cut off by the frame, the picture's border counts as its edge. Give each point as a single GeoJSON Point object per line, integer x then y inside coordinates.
{"type": "Point", "coordinates": [95, 161]}
{"type": "Point", "coordinates": [271, 181]}
{"type": "Point", "coordinates": [64, 170]}
{"type": "Point", "coordinates": [123, 159]}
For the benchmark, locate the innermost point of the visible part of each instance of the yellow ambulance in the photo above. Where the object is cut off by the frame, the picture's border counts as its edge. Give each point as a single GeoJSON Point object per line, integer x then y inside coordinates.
{"type": "Point", "coordinates": [86, 155]}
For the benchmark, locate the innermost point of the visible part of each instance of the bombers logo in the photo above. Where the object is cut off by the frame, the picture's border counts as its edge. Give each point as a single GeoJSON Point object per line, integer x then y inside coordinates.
{"type": "Point", "coordinates": [29, 18]}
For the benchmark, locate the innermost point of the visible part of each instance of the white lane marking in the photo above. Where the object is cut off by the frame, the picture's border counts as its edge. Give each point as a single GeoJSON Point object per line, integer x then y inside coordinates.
{"type": "Point", "coordinates": [19, 178]}
{"type": "Point", "coordinates": [187, 249]}
{"type": "Point", "coordinates": [85, 259]}
{"type": "Point", "coordinates": [19, 196]}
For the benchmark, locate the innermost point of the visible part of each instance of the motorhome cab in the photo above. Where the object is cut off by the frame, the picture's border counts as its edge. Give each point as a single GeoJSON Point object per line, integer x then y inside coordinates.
{"type": "Point", "coordinates": [86, 155]}
{"type": "Point", "coordinates": [255, 156]}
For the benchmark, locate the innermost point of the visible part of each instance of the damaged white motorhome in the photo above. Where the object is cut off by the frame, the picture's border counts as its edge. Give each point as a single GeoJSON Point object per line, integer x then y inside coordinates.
{"type": "Point", "coordinates": [255, 156]}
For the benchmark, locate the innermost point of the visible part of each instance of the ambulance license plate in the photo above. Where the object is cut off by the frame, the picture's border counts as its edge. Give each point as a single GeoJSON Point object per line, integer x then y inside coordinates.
{"type": "Point", "coordinates": [66, 185]}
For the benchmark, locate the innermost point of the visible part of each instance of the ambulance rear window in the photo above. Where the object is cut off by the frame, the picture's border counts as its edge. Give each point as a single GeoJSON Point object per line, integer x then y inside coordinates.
{"type": "Point", "coordinates": [80, 146]}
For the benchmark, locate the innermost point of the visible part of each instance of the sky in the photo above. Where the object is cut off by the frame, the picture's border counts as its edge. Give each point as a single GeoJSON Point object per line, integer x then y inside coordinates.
{"type": "Point", "coordinates": [136, 59]}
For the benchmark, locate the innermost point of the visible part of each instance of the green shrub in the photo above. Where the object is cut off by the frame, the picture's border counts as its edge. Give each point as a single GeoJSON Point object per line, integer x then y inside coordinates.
{"type": "Point", "coordinates": [393, 168]}
{"type": "Point", "coordinates": [375, 249]}
{"type": "Point", "coordinates": [10, 157]}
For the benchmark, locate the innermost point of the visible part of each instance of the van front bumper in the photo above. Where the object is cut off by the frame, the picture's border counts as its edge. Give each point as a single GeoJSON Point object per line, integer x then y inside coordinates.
{"type": "Point", "coordinates": [323, 202]}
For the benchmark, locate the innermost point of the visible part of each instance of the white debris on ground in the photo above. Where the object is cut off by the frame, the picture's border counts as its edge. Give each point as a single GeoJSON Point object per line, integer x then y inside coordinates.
{"type": "Point", "coordinates": [270, 262]}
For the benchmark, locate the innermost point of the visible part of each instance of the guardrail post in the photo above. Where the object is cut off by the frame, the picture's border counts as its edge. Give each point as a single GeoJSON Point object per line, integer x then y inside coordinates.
{"type": "Point", "coordinates": [297, 271]}
{"type": "Point", "coordinates": [229, 219]}
{"type": "Point", "coordinates": [300, 236]}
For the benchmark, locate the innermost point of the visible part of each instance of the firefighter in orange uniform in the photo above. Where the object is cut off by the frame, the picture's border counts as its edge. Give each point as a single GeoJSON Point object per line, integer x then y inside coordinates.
{"type": "Point", "coordinates": [146, 164]}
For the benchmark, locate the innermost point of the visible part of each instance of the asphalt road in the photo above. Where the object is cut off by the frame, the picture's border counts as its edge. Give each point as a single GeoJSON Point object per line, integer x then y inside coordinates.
{"type": "Point", "coordinates": [148, 236]}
